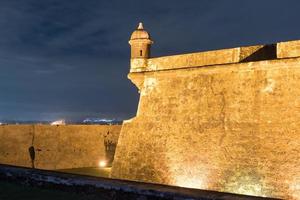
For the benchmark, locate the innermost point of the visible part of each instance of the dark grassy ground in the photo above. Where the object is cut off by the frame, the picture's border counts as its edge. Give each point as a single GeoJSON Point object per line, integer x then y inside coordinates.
{"type": "Point", "coordinates": [12, 191]}
{"type": "Point", "coordinates": [91, 171]}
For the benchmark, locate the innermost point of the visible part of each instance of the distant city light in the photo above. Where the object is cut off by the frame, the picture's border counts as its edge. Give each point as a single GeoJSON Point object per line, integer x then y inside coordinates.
{"type": "Point", "coordinates": [102, 163]}
{"type": "Point", "coordinates": [99, 120]}
{"type": "Point", "coordinates": [59, 122]}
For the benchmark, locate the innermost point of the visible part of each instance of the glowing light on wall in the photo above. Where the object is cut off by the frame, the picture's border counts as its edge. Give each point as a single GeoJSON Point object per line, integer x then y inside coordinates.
{"type": "Point", "coordinates": [102, 163]}
{"type": "Point", "coordinates": [184, 171]}
{"type": "Point", "coordinates": [245, 182]}
{"type": "Point", "coordinates": [295, 188]}
{"type": "Point", "coordinates": [249, 189]}
{"type": "Point", "coordinates": [189, 182]}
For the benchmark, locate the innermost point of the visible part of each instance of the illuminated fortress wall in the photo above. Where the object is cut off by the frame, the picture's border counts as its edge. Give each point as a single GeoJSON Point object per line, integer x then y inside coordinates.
{"type": "Point", "coordinates": [57, 147]}
{"type": "Point", "coordinates": [226, 120]}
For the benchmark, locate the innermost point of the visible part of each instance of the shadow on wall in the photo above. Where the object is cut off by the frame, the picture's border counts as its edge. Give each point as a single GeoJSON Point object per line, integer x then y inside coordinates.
{"type": "Point", "coordinates": [266, 52]}
{"type": "Point", "coordinates": [110, 148]}
{"type": "Point", "coordinates": [57, 147]}
{"type": "Point", "coordinates": [32, 155]}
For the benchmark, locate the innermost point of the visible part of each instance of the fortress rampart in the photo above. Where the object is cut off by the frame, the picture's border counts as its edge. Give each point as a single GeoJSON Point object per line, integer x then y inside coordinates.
{"type": "Point", "coordinates": [225, 120]}
{"type": "Point", "coordinates": [57, 147]}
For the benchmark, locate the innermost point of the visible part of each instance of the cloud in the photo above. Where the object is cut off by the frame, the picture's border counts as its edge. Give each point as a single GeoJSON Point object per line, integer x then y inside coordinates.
{"type": "Point", "coordinates": [72, 56]}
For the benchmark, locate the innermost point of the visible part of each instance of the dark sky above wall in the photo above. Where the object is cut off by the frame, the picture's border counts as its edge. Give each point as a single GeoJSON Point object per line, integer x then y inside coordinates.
{"type": "Point", "coordinates": [70, 58]}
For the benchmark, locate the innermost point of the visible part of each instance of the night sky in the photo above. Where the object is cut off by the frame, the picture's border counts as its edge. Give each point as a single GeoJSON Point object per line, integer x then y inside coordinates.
{"type": "Point", "coordinates": [70, 58]}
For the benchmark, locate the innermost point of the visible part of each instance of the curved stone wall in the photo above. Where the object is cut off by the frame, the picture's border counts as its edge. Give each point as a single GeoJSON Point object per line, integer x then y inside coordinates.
{"type": "Point", "coordinates": [231, 127]}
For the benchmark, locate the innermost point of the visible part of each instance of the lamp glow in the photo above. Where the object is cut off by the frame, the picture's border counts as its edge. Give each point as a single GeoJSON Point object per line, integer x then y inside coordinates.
{"type": "Point", "coordinates": [102, 163]}
{"type": "Point", "coordinates": [189, 182]}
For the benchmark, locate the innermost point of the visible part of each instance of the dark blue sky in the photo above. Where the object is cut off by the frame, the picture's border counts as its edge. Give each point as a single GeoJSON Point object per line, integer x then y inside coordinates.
{"type": "Point", "coordinates": [70, 58]}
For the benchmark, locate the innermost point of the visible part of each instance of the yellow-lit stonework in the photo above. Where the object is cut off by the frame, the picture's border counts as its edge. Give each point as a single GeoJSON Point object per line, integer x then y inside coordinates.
{"type": "Point", "coordinates": [57, 147]}
{"type": "Point", "coordinates": [226, 120]}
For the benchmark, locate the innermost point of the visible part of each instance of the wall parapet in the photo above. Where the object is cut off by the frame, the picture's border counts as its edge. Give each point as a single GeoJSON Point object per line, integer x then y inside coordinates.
{"type": "Point", "coordinates": [57, 147]}
{"type": "Point", "coordinates": [254, 53]}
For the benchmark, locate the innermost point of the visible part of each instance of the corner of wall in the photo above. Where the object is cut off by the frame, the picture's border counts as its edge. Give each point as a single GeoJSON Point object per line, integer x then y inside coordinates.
{"type": "Point", "coordinates": [138, 64]}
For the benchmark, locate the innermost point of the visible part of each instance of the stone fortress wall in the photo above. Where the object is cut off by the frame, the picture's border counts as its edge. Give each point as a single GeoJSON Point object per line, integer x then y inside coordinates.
{"type": "Point", "coordinates": [225, 120]}
{"type": "Point", "coordinates": [57, 147]}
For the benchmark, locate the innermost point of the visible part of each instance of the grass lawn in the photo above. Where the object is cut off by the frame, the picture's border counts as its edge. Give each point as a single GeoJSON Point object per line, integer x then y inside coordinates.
{"type": "Point", "coordinates": [91, 171]}
{"type": "Point", "coordinates": [12, 191]}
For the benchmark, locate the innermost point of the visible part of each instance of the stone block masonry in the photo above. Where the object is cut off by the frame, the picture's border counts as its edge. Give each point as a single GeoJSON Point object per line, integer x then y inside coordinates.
{"type": "Point", "coordinates": [57, 147]}
{"type": "Point", "coordinates": [228, 126]}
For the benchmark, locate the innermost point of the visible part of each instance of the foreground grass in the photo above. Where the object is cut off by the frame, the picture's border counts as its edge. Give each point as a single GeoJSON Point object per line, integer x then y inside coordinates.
{"type": "Point", "coordinates": [12, 191]}
{"type": "Point", "coordinates": [91, 171]}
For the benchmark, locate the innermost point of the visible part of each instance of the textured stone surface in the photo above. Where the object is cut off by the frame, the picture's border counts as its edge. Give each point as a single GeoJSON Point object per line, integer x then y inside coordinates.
{"type": "Point", "coordinates": [256, 53]}
{"type": "Point", "coordinates": [15, 141]}
{"type": "Point", "coordinates": [230, 127]}
{"type": "Point", "coordinates": [57, 147]}
{"type": "Point", "coordinates": [225, 56]}
{"type": "Point", "coordinates": [186, 60]}
{"type": "Point", "coordinates": [288, 49]}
